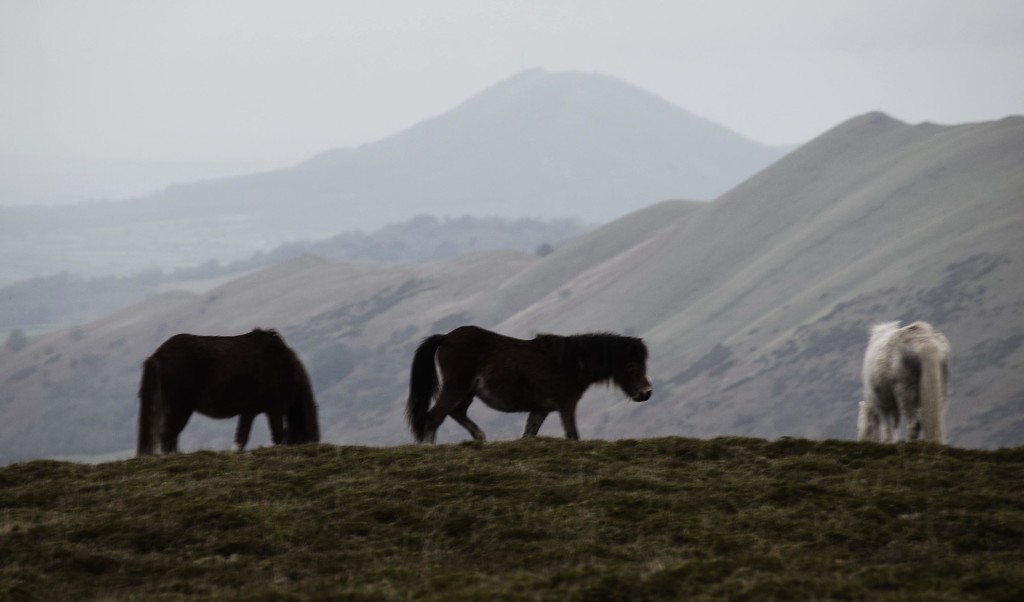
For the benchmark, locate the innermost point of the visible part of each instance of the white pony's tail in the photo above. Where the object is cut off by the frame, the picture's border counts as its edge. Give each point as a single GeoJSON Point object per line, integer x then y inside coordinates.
{"type": "Point", "coordinates": [932, 393]}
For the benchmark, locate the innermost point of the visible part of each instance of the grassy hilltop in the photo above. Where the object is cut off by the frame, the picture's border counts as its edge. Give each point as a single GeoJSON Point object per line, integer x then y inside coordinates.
{"type": "Point", "coordinates": [654, 519]}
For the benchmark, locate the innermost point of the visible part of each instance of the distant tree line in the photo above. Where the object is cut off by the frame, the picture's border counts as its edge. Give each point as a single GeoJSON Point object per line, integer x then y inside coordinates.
{"type": "Point", "coordinates": [422, 239]}
{"type": "Point", "coordinates": [66, 298]}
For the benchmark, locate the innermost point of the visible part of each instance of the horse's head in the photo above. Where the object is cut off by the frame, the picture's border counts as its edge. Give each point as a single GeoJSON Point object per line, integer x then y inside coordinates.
{"type": "Point", "coordinates": [631, 375]}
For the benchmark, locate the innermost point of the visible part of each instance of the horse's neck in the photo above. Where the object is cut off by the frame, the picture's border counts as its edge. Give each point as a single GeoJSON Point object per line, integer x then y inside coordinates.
{"type": "Point", "coordinates": [592, 365]}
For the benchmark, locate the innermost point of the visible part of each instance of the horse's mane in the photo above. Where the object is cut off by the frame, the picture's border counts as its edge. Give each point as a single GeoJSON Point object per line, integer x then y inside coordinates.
{"type": "Point", "coordinates": [880, 330]}
{"type": "Point", "coordinates": [594, 355]}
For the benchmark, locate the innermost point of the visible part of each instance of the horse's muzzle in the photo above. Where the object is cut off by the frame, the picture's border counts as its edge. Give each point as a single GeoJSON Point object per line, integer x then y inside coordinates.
{"type": "Point", "coordinates": [642, 395]}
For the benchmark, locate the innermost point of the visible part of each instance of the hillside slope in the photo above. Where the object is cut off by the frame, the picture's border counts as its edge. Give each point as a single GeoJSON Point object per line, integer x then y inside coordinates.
{"type": "Point", "coordinates": [657, 519]}
{"type": "Point", "coordinates": [755, 307]}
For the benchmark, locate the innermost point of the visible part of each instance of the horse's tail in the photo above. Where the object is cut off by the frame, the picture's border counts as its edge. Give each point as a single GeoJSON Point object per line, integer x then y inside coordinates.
{"type": "Point", "coordinates": [303, 422]}
{"type": "Point", "coordinates": [932, 392]}
{"type": "Point", "coordinates": [422, 385]}
{"type": "Point", "coordinates": [150, 408]}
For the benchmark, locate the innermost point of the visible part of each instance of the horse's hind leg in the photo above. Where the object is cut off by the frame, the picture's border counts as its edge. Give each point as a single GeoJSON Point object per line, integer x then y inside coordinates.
{"type": "Point", "coordinates": [910, 409]}
{"type": "Point", "coordinates": [450, 399]}
{"type": "Point", "coordinates": [173, 424]}
{"type": "Point", "coordinates": [534, 422]}
{"type": "Point", "coordinates": [242, 431]}
{"type": "Point", "coordinates": [913, 424]}
{"type": "Point", "coordinates": [460, 416]}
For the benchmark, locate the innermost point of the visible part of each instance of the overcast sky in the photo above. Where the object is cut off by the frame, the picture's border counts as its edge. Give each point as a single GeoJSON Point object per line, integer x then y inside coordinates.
{"type": "Point", "coordinates": [278, 81]}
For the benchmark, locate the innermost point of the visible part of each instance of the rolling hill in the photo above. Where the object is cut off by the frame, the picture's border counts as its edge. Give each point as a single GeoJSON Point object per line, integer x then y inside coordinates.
{"type": "Point", "coordinates": [755, 307]}
{"type": "Point", "coordinates": [539, 144]}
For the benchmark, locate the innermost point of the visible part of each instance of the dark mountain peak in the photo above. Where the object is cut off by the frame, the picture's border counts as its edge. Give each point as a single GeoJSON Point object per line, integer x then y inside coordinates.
{"type": "Point", "coordinates": [537, 105]}
{"type": "Point", "coordinates": [541, 82]}
{"type": "Point", "coordinates": [877, 118]}
{"type": "Point", "coordinates": [875, 122]}
{"type": "Point", "coordinates": [578, 99]}
{"type": "Point", "coordinates": [539, 143]}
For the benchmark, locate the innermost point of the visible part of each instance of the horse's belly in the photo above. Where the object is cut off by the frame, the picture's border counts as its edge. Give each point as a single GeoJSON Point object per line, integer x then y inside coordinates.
{"type": "Point", "coordinates": [237, 394]}
{"type": "Point", "coordinates": [512, 399]}
{"type": "Point", "coordinates": [225, 405]}
{"type": "Point", "coordinates": [222, 409]}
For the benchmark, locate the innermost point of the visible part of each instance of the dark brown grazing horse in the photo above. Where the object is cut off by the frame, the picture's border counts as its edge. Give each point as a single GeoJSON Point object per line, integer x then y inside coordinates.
{"type": "Point", "coordinates": [221, 377]}
{"type": "Point", "coordinates": [548, 373]}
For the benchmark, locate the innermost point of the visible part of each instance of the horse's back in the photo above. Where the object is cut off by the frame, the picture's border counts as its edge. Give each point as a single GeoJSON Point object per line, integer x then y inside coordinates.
{"type": "Point", "coordinates": [473, 345]}
{"type": "Point", "coordinates": [475, 335]}
{"type": "Point", "coordinates": [507, 373]}
{"type": "Point", "coordinates": [222, 376]}
{"type": "Point", "coordinates": [925, 338]}
{"type": "Point", "coordinates": [485, 345]}
{"type": "Point", "coordinates": [254, 366]}
{"type": "Point", "coordinates": [891, 347]}
{"type": "Point", "coordinates": [183, 365]}
{"type": "Point", "coordinates": [179, 345]}
{"type": "Point", "coordinates": [245, 352]}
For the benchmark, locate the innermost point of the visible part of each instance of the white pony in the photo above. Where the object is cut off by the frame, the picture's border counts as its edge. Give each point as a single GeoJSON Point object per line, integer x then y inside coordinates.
{"type": "Point", "coordinates": [906, 371]}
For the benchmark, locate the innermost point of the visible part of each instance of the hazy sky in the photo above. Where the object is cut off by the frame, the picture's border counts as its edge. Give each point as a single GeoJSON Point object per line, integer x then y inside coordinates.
{"type": "Point", "coordinates": [278, 81]}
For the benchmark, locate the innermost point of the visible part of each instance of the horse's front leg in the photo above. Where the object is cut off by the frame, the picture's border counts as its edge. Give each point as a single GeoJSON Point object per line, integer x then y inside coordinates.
{"type": "Point", "coordinates": [242, 431]}
{"type": "Point", "coordinates": [914, 429]}
{"type": "Point", "coordinates": [533, 423]}
{"type": "Point", "coordinates": [890, 427]}
{"type": "Point", "coordinates": [568, 415]}
{"type": "Point", "coordinates": [276, 422]}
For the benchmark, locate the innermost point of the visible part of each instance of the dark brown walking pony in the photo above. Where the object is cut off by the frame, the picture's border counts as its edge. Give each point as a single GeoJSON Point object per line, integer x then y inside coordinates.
{"type": "Point", "coordinates": [546, 374]}
{"type": "Point", "coordinates": [221, 377]}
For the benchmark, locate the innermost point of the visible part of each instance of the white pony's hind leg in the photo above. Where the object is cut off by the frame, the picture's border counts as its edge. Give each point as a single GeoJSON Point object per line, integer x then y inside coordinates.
{"type": "Point", "coordinates": [914, 425]}
{"type": "Point", "coordinates": [908, 408]}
